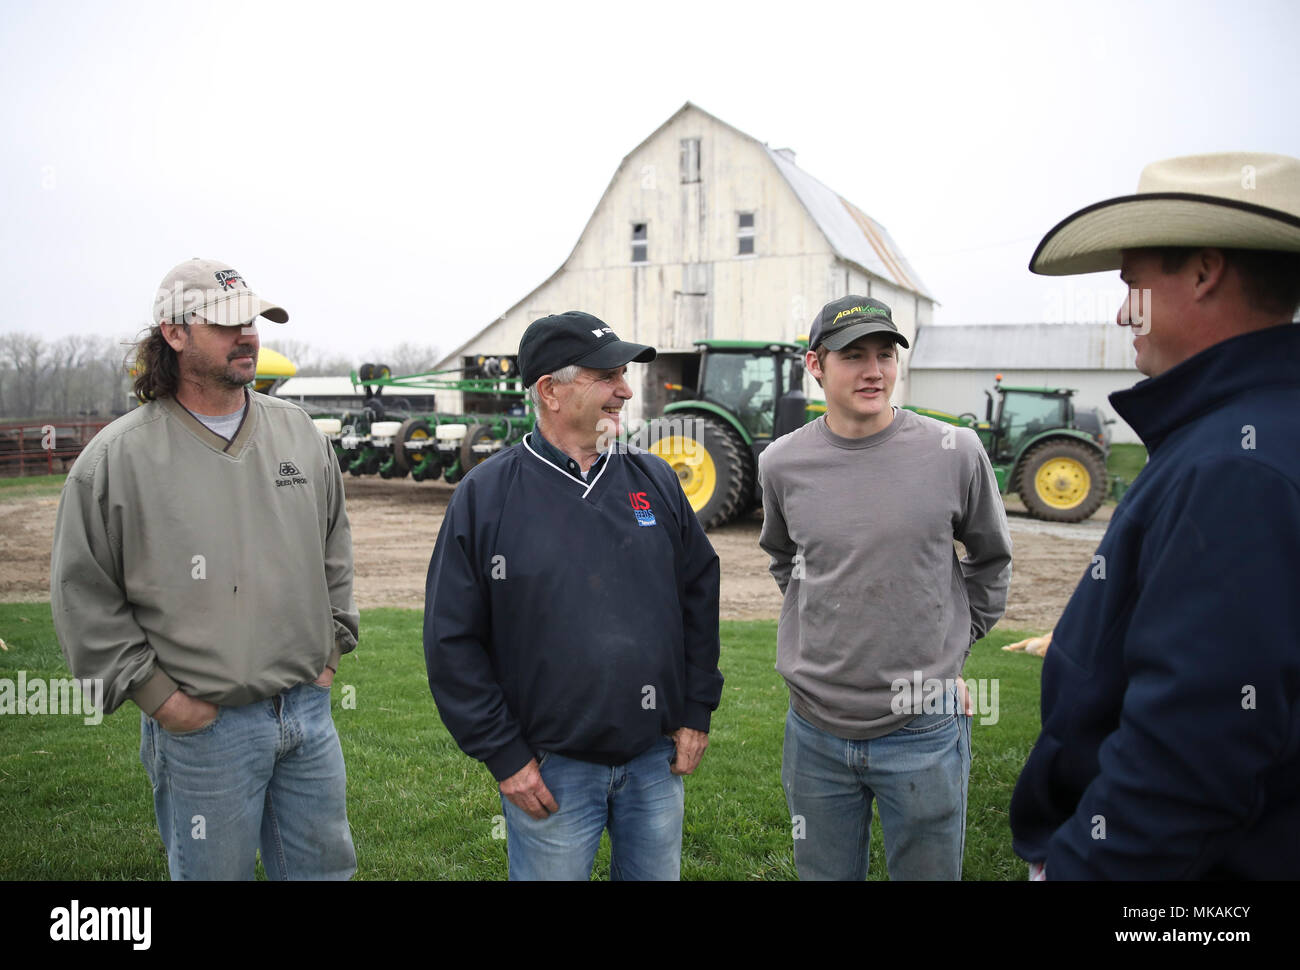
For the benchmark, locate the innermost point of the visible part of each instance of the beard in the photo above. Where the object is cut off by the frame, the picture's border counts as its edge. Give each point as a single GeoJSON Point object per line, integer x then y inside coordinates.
{"type": "Point", "coordinates": [209, 369]}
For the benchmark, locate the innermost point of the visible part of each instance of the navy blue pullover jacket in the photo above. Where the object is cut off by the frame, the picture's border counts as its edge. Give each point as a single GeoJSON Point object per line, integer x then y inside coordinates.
{"type": "Point", "coordinates": [1170, 745]}
{"type": "Point", "coordinates": [574, 617]}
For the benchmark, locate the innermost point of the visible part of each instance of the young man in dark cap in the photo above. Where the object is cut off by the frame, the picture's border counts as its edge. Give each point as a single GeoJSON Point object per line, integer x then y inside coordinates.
{"type": "Point", "coordinates": [571, 621]}
{"type": "Point", "coordinates": [860, 510]}
{"type": "Point", "coordinates": [1170, 745]}
{"type": "Point", "coordinates": [202, 568]}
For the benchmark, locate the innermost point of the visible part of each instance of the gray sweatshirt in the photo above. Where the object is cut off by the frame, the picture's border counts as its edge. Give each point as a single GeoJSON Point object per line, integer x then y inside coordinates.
{"type": "Point", "coordinates": [860, 532]}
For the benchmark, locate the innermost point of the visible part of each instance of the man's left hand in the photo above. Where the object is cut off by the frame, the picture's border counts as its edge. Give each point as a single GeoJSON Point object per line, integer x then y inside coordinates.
{"type": "Point", "coordinates": [690, 749]}
{"type": "Point", "coordinates": [965, 698]}
{"type": "Point", "coordinates": [326, 678]}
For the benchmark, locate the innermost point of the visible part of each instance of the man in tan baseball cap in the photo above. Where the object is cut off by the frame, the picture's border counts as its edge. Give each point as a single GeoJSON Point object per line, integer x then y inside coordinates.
{"type": "Point", "coordinates": [202, 570]}
{"type": "Point", "coordinates": [1170, 711]}
{"type": "Point", "coordinates": [212, 291]}
{"type": "Point", "coordinates": [203, 346]}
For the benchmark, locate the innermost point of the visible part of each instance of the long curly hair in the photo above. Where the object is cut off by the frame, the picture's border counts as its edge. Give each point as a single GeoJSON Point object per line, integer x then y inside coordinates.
{"type": "Point", "coordinates": [155, 366]}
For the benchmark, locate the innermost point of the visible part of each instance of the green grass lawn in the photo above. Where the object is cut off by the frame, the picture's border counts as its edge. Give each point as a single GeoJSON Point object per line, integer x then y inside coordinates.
{"type": "Point", "coordinates": [31, 486]}
{"type": "Point", "coordinates": [1126, 461]}
{"type": "Point", "coordinates": [77, 804]}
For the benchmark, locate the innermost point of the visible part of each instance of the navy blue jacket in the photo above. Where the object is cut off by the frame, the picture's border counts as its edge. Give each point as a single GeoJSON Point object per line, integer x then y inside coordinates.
{"type": "Point", "coordinates": [572, 617]}
{"type": "Point", "coordinates": [1170, 745]}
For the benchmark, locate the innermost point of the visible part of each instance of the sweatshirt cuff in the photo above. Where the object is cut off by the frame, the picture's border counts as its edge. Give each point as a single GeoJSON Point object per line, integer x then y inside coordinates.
{"type": "Point", "coordinates": [696, 717]}
{"type": "Point", "coordinates": [509, 759]}
{"type": "Point", "coordinates": [345, 641]}
{"type": "Point", "coordinates": [333, 662]}
{"type": "Point", "coordinates": [150, 695]}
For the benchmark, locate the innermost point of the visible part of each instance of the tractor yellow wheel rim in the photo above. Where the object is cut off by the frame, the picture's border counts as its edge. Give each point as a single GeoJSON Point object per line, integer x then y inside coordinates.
{"type": "Point", "coordinates": [1063, 483]}
{"type": "Point", "coordinates": [693, 465]}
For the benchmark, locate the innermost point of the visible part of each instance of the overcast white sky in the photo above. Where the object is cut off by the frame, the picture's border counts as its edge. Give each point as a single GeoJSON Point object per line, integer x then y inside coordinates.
{"type": "Point", "coordinates": [394, 171]}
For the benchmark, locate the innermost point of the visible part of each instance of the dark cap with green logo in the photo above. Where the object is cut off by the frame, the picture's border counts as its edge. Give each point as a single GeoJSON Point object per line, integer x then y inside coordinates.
{"type": "Point", "coordinates": [848, 318]}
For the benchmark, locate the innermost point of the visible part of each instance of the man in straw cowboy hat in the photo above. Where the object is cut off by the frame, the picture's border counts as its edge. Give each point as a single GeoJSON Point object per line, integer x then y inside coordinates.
{"type": "Point", "coordinates": [1170, 743]}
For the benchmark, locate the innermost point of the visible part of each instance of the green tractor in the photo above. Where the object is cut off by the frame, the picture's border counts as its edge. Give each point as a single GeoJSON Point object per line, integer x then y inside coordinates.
{"type": "Point", "coordinates": [749, 393]}
{"type": "Point", "coordinates": [1044, 449]}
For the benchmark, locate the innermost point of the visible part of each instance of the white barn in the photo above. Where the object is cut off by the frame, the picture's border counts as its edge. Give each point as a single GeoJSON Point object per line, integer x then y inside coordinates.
{"type": "Point", "coordinates": [706, 232]}
{"type": "Point", "coordinates": [952, 366]}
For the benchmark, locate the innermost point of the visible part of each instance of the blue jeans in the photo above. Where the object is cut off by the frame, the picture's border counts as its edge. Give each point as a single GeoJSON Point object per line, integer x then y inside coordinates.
{"type": "Point", "coordinates": [641, 802]}
{"type": "Point", "coordinates": [919, 773]}
{"type": "Point", "coordinates": [268, 774]}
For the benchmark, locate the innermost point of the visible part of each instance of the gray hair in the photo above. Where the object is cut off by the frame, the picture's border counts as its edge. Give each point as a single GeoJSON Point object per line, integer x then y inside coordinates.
{"type": "Point", "coordinates": [565, 375]}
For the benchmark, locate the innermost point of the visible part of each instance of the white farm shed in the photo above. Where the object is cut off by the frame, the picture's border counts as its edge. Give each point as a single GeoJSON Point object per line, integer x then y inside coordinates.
{"type": "Point", "coordinates": [326, 393]}
{"type": "Point", "coordinates": [706, 232]}
{"type": "Point", "coordinates": [952, 366]}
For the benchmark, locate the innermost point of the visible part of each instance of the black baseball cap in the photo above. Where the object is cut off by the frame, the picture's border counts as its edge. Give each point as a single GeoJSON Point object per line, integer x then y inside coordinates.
{"type": "Point", "coordinates": [845, 320]}
{"type": "Point", "coordinates": [574, 337]}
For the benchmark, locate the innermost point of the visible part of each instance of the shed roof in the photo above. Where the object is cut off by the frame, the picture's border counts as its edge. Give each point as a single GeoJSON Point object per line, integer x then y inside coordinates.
{"type": "Point", "coordinates": [1026, 346]}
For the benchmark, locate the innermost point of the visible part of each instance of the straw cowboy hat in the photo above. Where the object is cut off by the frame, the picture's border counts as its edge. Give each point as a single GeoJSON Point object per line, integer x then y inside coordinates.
{"type": "Point", "coordinates": [1231, 200]}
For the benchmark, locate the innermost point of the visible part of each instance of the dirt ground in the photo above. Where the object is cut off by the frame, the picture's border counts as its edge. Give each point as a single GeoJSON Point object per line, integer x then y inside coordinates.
{"type": "Point", "coordinates": [395, 523]}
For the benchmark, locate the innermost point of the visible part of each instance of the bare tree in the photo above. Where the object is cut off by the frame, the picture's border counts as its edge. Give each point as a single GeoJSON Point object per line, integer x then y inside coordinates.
{"type": "Point", "coordinates": [26, 354]}
{"type": "Point", "coordinates": [302, 354]}
{"type": "Point", "coordinates": [408, 358]}
{"type": "Point", "coordinates": [403, 358]}
{"type": "Point", "coordinates": [75, 375]}
{"type": "Point", "coordinates": [85, 374]}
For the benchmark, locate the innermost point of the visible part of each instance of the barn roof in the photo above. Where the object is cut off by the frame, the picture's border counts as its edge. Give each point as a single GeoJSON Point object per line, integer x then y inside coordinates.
{"type": "Point", "coordinates": [853, 234]}
{"type": "Point", "coordinates": [1024, 346]}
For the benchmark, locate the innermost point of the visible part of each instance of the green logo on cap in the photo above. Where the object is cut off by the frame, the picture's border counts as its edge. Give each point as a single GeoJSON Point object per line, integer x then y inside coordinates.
{"type": "Point", "coordinates": [859, 309]}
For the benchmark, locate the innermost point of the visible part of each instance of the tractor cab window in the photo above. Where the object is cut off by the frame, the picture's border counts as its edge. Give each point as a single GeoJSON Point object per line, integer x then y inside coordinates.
{"type": "Point", "coordinates": [794, 381]}
{"type": "Point", "coordinates": [745, 385]}
{"type": "Point", "coordinates": [1025, 415]}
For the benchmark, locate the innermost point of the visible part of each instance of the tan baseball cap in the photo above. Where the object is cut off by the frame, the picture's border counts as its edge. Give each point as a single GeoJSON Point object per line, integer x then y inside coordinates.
{"type": "Point", "coordinates": [214, 292]}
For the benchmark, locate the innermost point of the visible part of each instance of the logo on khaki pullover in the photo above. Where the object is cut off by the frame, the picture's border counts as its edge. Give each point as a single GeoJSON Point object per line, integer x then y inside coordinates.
{"type": "Point", "coordinates": [289, 475]}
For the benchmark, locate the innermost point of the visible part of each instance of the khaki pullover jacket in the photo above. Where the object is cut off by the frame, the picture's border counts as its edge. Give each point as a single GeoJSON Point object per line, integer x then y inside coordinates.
{"type": "Point", "coordinates": [185, 560]}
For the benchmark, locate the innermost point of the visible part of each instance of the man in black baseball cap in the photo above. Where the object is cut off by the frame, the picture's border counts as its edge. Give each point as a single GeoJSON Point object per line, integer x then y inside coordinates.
{"type": "Point", "coordinates": [573, 366]}
{"type": "Point", "coordinates": [571, 621]}
{"type": "Point", "coordinates": [574, 337]}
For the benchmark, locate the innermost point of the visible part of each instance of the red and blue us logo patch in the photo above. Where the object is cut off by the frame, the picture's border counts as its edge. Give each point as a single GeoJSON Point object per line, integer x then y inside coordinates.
{"type": "Point", "coordinates": [641, 508]}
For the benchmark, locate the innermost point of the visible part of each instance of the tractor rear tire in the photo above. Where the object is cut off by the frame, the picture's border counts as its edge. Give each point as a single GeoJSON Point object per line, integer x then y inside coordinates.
{"type": "Point", "coordinates": [1062, 481]}
{"type": "Point", "coordinates": [714, 465]}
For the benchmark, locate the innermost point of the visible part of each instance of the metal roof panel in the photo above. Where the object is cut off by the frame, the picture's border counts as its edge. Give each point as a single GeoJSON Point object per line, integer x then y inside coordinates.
{"type": "Point", "coordinates": [1024, 346]}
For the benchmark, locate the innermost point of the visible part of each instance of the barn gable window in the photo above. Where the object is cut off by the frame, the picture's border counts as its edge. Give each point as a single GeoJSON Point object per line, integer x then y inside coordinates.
{"type": "Point", "coordinates": [640, 243]}
{"type": "Point", "coordinates": [690, 160]}
{"type": "Point", "coordinates": [745, 234]}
